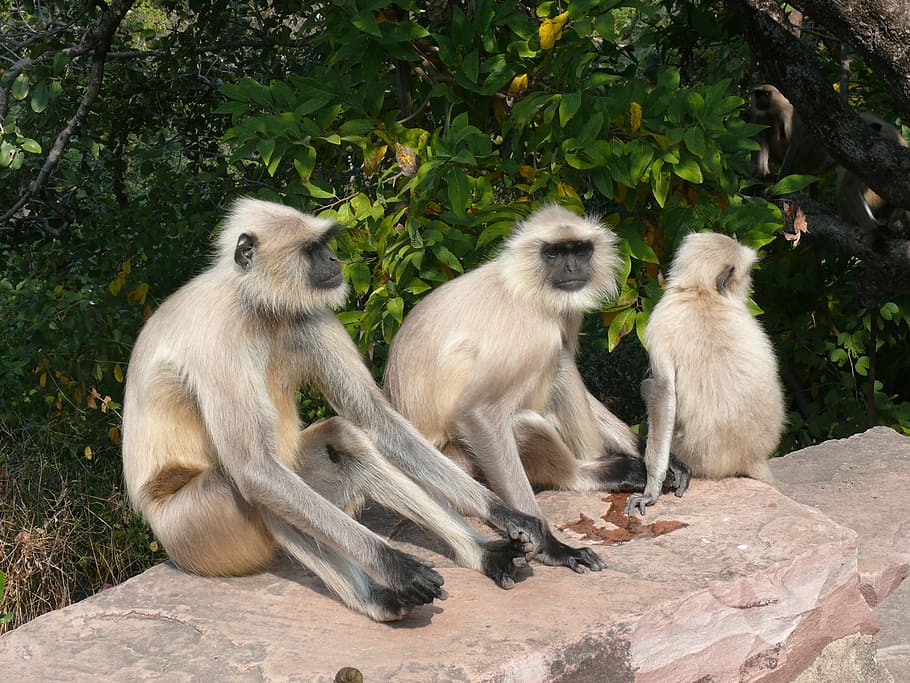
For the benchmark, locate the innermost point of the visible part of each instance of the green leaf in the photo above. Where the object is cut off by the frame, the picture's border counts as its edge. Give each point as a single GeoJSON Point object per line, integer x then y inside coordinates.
{"type": "Point", "coordinates": [366, 22]}
{"type": "Point", "coordinates": [688, 169]}
{"type": "Point", "coordinates": [395, 307]}
{"type": "Point", "coordinates": [569, 104]}
{"type": "Point", "coordinates": [40, 98]}
{"type": "Point", "coordinates": [20, 87]}
{"type": "Point", "coordinates": [471, 66]}
{"type": "Point", "coordinates": [305, 162]}
{"type": "Point", "coordinates": [792, 183]}
{"type": "Point", "coordinates": [30, 145]}
{"type": "Point", "coordinates": [359, 275]}
{"type": "Point", "coordinates": [695, 141]}
{"type": "Point", "coordinates": [621, 325]}
{"type": "Point", "coordinates": [458, 191]}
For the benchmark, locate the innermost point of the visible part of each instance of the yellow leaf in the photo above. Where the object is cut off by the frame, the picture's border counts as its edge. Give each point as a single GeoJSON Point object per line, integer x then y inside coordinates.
{"type": "Point", "coordinates": [117, 284]}
{"type": "Point", "coordinates": [526, 171]}
{"type": "Point", "coordinates": [118, 373]}
{"type": "Point", "coordinates": [518, 86]}
{"type": "Point", "coordinates": [43, 379]}
{"type": "Point", "coordinates": [88, 452]}
{"type": "Point", "coordinates": [372, 158]}
{"type": "Point", "coordinates": [153, 546]}
{"type": "Point", "coordinates": [551, 30]}
{"type": "Point", "coordinates": [114, 435]}
{"type": "Point", "coordinates": [635, 116]}
{"type": "Point", "coordinates": [137, 296]}
{"type": "Point", "coordinates": [566, 190]}
{"type": "Point", "coordinates": [407, 160]}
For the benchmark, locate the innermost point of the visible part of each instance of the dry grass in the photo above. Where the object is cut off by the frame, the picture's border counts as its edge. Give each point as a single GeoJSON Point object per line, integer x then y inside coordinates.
{"type": "Point", "coordinates": [65, 529]}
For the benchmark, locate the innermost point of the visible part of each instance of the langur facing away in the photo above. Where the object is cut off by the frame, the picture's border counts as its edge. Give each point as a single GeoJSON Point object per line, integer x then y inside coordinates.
{"type": "Point", "coordinates": [484, 366]}
{"type": "Point", "coordinates": [714, 398]}
{"type": "Point", "coordinates": [213, 452]}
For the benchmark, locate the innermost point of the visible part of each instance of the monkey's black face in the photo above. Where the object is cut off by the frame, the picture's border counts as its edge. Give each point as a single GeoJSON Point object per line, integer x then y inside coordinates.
{"type": "Point", "coordinates": [568, 264]}
{"type": "Point", "coordinates": [761, 99]}
{"type": "Point", "coordinates": [325, 268]}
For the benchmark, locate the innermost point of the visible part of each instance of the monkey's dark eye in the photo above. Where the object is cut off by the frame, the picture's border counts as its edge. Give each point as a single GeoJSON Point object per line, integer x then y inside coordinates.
{"type": "Point", "coordinates": [334, 455]}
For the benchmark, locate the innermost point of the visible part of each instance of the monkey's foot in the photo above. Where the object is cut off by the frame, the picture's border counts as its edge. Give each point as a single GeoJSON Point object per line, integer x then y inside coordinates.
{"type": "Point", "coordinates": [502, 558]}
{"type": "Point", "coordinates": [384, 605]}
{"type": "Point", "coordinates": [411, 579]}
{"type": "Point", "coordinates": [557, 554]}
{"type": "Point", "coordinates": [519, 526]}
{"type": "Point", "coordinates": [680, 474]}
{"type": "Point", "coordinates": [640, 501]}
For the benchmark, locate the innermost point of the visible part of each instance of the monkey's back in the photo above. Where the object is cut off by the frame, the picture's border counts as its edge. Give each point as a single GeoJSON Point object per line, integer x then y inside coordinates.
{"type": "Point", "coordinates": [729, 401]}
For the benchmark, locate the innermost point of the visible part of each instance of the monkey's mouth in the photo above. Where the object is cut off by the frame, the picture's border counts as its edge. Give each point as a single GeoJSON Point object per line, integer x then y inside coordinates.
{"type": "Point", "coordinates": [571, 285]}
{"type": "Point", "coordinates": [330, 282]}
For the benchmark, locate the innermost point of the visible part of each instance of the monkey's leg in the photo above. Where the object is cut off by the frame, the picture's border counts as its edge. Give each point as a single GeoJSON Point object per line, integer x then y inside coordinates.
{"type": "Point", "coordinates": [353, 586]}
{"type": "Point", "coordinates": [550, 464]}
{"type": "Point", "coordinates": [204, 524]}
{"type": "Point", "coordinates": [660, 397]}
{"type": "Point", "coordinates": [339, 460]}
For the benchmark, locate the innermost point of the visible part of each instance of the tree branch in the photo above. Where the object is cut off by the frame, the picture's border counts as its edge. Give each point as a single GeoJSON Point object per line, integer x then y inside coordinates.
{"type": "Point", "coordinates": [880, 30]}
{"type": "Point", "coordinates": [884, 166]}
{"type": "Point", "coordinates": [887, 261]}
{"type": "Point", "coordinates": [100, 39]}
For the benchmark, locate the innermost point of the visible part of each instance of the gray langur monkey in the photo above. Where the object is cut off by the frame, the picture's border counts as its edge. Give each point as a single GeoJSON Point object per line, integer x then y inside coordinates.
{"type": "Point", "coordinates": [714, 396]}
{"type": "Point", "coordinates": [785, 141]}
{"type": "Point", "coordinates": [856, 201]}
{"type": "Point", "coordinates": [213, 452]}
{"type": "Point", "coordinates": [484, 366]}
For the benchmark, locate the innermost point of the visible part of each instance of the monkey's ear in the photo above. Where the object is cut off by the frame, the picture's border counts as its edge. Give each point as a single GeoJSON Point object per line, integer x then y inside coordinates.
{"type": "Point", "coordinates": [723, 278]}
{"type": "Point", "coordinates": [246, 249]}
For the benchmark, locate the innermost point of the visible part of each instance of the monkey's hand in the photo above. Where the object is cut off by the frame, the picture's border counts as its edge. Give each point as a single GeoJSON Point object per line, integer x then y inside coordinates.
{"type": "Point", "coordinates": [557, 554]}
{"type": "Point", "coordinates": [413, 580]}
{"type": "Point", "coordinates": [640, 501]}
{"type": "Point", "coordinates": [678, 480]}
{"type": "Point", "coordinates": [502, 558]}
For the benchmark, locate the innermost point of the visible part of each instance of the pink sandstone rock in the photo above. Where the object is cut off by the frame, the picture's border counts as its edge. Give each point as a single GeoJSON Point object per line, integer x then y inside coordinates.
{"type": "Point", "coordinates": [751, 589]}
{"type": "Point", "coordinates": [862, 482]}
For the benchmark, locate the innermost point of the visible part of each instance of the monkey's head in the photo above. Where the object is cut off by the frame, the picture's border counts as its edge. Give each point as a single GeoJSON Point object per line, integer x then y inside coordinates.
{"type": "Point", "coordinates": [883, 128]}
{"type": "Point", "coordinates": [715, 263]}
{"type": "Point", "coordinates": [766, 98]}
{"type": "Point", "coordinates": [560, 261]}
{"type": "Point", "coordinates": [280, 259]}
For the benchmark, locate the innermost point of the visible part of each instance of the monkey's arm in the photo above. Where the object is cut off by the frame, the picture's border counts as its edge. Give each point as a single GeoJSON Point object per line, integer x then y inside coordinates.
{"type": "Point", "coordinates": [348, 385]}
{"type": "Point", "coordinates": [247, 455]}
{"type": "Point", "coordinates": [660, 397]}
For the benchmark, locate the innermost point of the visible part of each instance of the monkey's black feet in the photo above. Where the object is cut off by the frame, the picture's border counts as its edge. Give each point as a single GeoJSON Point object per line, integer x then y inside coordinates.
{"type": "Point", "coordinates": [411, 579]}
{"type": "Point", "coordinates": [519, 526]}
{"type": "Point", "coordinates": [678, 476]}
{"type": "Point", "coordinates": [640, 501]}
{"type": "Point", "coordinates": [502, 558]}
{"type": "Point", "coordinates": [557, 554]}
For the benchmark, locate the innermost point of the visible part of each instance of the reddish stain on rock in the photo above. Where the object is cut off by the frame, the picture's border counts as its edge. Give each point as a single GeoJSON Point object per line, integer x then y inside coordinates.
{"type": "Point", "coordinates": [623, 527]}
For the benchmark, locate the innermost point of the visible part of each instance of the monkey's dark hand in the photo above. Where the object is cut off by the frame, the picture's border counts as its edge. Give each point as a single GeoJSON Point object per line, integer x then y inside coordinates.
{"type": "Point", "coordinates": [502, 558]}
{"type": "Point", "coordinates": [413, 580]}
{"type": "Point", "coordinates": [640, 501]}
{"type": "Point", "coordinates": [678, 480]}
{"type": "Point", "coordinates": [519, 526]}
{"type": "Point", "coordinates": [557, 554]}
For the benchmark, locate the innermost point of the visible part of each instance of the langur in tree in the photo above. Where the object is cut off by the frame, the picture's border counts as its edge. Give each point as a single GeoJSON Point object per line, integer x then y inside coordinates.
{"type": "Point", "coordinates": [714, 397]}
{"type": "Point", "coordinates": [785, 141]}
{"type": "Point", "coordinates": [485, 367]}
{"type": "Point", "coordinates": [217, 461]}
{"type": "Point", "coordinates": [856, 201]}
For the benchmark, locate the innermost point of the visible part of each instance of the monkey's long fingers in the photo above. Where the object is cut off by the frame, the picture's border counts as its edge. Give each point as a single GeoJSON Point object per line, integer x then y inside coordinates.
{"type": "Point", "coordinates": [639, 501]}
{"type": "Point", "coordinates": [681, 473]}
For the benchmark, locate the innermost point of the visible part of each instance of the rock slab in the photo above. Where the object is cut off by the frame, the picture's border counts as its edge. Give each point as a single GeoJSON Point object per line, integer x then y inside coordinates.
{"type": "Point", "coordinates": [745, 585]}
